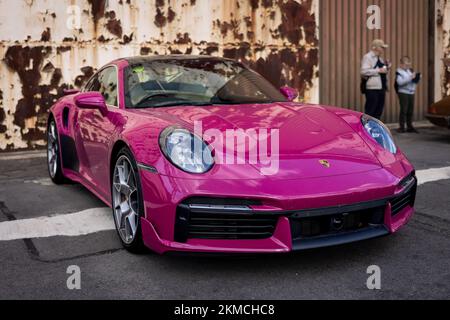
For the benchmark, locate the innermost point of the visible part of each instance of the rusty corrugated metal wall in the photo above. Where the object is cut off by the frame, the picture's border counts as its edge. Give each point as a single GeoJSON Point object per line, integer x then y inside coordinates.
{"type": "Point", "coordinates": [345, 38]}
{"type": "Point", "coordinates": [40, 55]}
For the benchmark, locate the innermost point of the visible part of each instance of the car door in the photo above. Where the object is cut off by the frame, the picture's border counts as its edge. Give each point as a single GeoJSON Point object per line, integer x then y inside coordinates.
{"type": "Point", "coordinates": [96, 129]}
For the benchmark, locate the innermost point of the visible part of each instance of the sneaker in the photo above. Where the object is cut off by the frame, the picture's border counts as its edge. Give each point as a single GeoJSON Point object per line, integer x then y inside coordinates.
{"type": "Point", "coordinates": [401, 130]}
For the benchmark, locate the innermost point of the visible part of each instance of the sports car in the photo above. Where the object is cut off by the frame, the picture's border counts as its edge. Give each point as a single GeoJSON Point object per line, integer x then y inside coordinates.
{"type": "Point", "coordinates": [202, 154]}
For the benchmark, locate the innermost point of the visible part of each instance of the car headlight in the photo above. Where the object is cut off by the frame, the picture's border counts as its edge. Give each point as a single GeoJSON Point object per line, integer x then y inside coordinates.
{"type": "Point", "coordinates": [379, 132]}
{"type": "Point", "coordinates": [185, 150]}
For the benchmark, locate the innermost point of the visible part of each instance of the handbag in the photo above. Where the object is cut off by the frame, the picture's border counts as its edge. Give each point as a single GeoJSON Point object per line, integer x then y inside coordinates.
{"type": "Point", "coordinates": [396, 86]}
{"type": "Point", "coordinates": [364, 84]}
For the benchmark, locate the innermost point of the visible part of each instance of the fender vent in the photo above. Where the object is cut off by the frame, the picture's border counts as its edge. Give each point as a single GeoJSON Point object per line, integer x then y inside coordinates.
{"type": "Point", "coordinates": [66, 117]}
{"type": "Point", "coordinates": [69, 153]}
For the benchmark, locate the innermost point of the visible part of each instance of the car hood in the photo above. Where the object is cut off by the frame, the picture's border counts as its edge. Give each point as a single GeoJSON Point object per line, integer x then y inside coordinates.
{"type": "Point", "coordinates": [312, 141]}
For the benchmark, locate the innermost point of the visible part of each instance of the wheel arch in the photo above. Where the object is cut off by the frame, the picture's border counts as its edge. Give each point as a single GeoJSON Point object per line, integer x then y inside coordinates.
{"type": "Point", "coordinates": [118, 145]}
{"type": "Point", "coordinates": [50, 117]}
{"type": "Point", "coordinates": [137, 244]}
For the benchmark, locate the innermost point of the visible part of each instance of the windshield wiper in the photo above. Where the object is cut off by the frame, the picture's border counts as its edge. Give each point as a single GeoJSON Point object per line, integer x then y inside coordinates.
{"type": "Point", "coordinates": [153, 95]}
{"type": "Point", "coordinates": [234, 102]}
{"type": "Point", "coordinates": [181, 103]}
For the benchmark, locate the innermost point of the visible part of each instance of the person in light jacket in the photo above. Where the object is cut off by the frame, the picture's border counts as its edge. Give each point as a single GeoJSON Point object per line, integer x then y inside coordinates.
{"type": "Point", "coordinates": [374, 72]}
{"type": "Point", "coordinates": [407, 81]}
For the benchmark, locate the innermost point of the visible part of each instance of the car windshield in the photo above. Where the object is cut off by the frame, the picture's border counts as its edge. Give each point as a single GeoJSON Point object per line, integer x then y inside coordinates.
{"type": "Point", "coordinates": [198, 81]}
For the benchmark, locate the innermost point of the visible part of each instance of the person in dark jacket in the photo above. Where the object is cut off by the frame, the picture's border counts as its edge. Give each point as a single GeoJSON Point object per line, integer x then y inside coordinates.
{"type": "Point", "coordinates": [374, 72]}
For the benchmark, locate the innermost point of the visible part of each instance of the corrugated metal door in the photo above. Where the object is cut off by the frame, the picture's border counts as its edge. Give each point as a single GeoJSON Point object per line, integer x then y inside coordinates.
{"type": "Point", "coordinates": [345, 38]}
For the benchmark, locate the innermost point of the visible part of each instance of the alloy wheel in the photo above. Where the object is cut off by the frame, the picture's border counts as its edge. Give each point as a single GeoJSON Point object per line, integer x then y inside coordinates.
{"type": "Point", "coordinates": [125, 200]}
{"type": "Point", "coordinates": [52, 149]}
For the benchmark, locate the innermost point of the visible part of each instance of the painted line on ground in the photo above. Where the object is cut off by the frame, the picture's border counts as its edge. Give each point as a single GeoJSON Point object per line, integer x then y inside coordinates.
{"type": "Point", "coordinates": [431, 175]}
{"type": "Point", "coordinates": [23, 155]}
{"type": "Point", "coordinates": [73, 224]}
{"type": "Point", "coordinates": [100, 219]}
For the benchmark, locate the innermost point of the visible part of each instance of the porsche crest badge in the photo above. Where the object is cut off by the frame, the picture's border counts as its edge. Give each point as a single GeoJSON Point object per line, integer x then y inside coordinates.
{"type": "Point", "coordinates": [325, 163]}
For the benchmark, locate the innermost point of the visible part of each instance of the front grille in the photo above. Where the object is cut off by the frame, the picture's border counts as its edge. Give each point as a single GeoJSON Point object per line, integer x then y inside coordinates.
{"type": "Point", "coordinates": [222, 219]}
{"type": "Point", "coordinates": [339, 222]}
{"type": "Point", "coordinates": [228, 226]}
{"type": "Point", "coordinates": [233, 219]}
{"type": "Point", "coordinates": [407, 198]}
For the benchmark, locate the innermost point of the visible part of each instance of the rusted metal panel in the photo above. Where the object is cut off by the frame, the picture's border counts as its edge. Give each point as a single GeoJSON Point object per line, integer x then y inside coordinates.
{"type": "Point", "coordinates": [44, 50]}
{"type": "Point", "coordinates": [442, 49]}
{"type": "Point", "coordinates": [345, 38]}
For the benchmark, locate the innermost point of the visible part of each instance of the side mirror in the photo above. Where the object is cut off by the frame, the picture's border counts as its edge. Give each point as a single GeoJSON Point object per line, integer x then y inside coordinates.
{"type": "Point", "coordinates": [290, 93]}
{"type": "Point", "coordinates": [91, 100]}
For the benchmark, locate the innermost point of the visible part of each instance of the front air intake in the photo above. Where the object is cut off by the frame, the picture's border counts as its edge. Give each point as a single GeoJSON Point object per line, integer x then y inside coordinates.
{"type": "Point", "coordinates": [406, 198]}
{"type": "Point", "coordinates": [224, 220]}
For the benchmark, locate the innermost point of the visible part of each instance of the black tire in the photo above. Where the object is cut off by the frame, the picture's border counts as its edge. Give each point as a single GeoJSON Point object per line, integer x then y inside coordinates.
{"type": "Point", "coordinates": [53, 148]}
{"type": "Point", "coordinates": [137, 244]}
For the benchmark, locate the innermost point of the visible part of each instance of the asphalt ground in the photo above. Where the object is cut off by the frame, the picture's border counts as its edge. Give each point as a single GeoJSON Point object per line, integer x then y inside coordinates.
{"type": "Point", "coordinates": [414, 263]}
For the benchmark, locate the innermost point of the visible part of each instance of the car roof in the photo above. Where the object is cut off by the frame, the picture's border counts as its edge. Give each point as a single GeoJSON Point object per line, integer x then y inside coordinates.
{"type": "Point", "coordinates": [146, 59]}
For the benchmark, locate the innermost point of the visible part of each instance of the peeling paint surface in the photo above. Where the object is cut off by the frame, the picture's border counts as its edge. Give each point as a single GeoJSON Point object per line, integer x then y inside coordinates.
{"type": "Point", "coordinates": [443, 48]}
{"type": "Point", "coordinates": [41, 56]}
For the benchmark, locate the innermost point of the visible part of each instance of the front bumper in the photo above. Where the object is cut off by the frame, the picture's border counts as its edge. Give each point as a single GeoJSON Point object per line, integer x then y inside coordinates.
{"type": "Point", "coordinates": [439, 120]}
{"type": "Point", "coordinates": [199, 222]}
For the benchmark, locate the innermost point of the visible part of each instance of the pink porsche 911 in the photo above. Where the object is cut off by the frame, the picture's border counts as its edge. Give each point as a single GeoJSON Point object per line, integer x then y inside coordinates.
{"type": "Point", "coordinates": [202, 154]}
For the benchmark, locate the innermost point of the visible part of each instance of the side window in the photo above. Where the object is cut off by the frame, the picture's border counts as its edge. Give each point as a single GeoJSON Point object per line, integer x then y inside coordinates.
{"type": "Point", "coordinates": [92, 85]}
{"type": "Point", "coordinates": [107, 85]}
{"type": "Point", "coordinates": [105, 82]}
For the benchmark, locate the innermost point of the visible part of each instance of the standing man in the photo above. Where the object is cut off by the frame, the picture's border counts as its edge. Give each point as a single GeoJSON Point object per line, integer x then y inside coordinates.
{"type": "Point", "coordinates": [406, 84]}
{"type": "Point", "coordinates": [374, 84]}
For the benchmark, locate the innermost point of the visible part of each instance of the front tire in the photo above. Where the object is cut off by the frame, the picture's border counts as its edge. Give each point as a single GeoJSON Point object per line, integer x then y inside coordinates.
{"type": "Point", "coordinates": [127, 203]}
{"type": "Point", "coordinates": [53, 155]}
